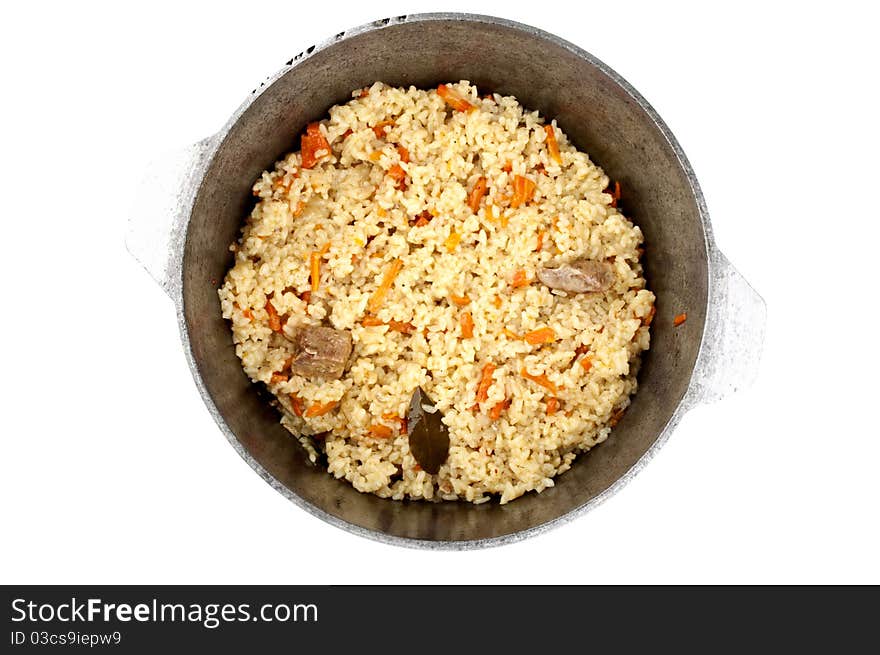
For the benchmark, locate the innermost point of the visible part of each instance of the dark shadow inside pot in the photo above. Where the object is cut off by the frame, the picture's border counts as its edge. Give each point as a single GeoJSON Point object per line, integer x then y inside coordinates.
{"type": "Point", "coordinates": [599, 116]}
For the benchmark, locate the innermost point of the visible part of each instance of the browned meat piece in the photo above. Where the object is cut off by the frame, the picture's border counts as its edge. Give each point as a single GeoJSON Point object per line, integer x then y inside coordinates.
{"type": "Point", "coordinates": [579, 276]}
{"type": "Point", "coordinates": [320, 352]}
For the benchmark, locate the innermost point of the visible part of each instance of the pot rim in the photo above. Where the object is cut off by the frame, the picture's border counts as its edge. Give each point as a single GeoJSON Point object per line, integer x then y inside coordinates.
{"type": "Point", "coordinates": [189, 195]}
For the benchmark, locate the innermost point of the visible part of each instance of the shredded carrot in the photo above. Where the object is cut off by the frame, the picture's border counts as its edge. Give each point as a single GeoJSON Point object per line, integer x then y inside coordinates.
{"type": "Point", "coordinates": [615, 417]}
{"type": "Point", "coordinates": [523, 191]}
{"type": "Point", "coordinates": [324, 249]}
{"type": "Point", "coordinates": [364, 92]}
{"type": "Point", "coordinates": [297, 403]}
{"type": "Point", "coordinates": [587, 363]}
{"type": "Point", "coordinates": [485, 382]}
{"type": "Point", "coordinates": [453, 99]}
{"type": "Point", "coordinates": [476, 194]}
{"type": "Point", "coordinates": [452, 241]}
{"type": "Point", "coordinates": [278, 377]}
{"type": "Point", "coordinates": [379, 294]}
{"type": "Point", "coordinates": [541, 335]}
{"type": "Point", "coordinates": [380, 431]}
{"type": "Point", "coordinates": [552, 144]}
{"type": "Point", "coordinates": [400, 326]}
{"type": "Point", "coordinates": [371, 321]}
{"type": "Point", "coordinates": [467, 325]}
{"type": "Point", "coordinates": [615, 196]}
{"type": "Point", "coordinates": [542, 379]}
{"type": "Point", "coordinates": [298, 210]}
{"type": "Point", "coordinates": [382, 213]}
{"type": "Point", "coordinates": [497, 408]}
{"type": "Point", "coordinates": [247, 314]}
{"type": "Point", "coordinates": [376, 155]}
{"type": "Point", "coordinates": [347, 133]}
{"type": "Point", "coordinates": [552, 405]}
{"type": "Point", "coordinates": [540, 244]}
{"type": "Point", "coordinates": [497, 301]}
{"type": "Point", "coordinates": [650, 317]}
{"type": "Point", "coordinates": [315, 269]}
{"type": "Point", "coordinates": [424, 218]}
{"type": "Point", "coordinates": [520, 279]}
{"type": "Point", "coordinates": [311, 143]}
{"type": "Point", "coordinates": [319, 409]}
{"type": "Point", "coordinates": [379, 128]}
{"type": "Point", "coordinates": [510, 334]}
{"type": "Point", "coordinates": [274, 318]}
{"type": "Point", "coordinates": [507, 167]}
{"type": "Point", "coordinates": [678, 320]}
{"type": "Point", "coordinates": [461, 301]}
{"type": "Point", "coordinates": [403, 153]}
{"type": "Point", "coordinates": [394, 417]}
{"type": "Point", "coordinates": [397, 173]}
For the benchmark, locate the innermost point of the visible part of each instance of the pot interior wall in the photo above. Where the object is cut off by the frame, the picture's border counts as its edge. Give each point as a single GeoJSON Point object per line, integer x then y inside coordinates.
{"type": "Point", "coordinates": [598, 115]}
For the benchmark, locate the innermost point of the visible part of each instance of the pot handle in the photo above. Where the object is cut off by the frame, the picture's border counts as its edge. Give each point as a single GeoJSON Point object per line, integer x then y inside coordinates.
{"type": "Point", "coordinates": [157, 222]}
{"type": "Point", "coordinates": [734, 336]}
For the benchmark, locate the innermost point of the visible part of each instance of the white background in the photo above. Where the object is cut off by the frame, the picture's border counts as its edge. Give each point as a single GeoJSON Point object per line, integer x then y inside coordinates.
{"type": "Point", "coordinates": [112, 471]}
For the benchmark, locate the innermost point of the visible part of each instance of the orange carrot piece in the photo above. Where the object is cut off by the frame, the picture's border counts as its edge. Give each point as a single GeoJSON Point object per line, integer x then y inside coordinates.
{"type": "Point", "coordinates": [274, 318]}
{"type": "Point", "coordinates": [523, 191]}
{"type": "Point", "coordinates": [319, 409]}
{"type": "Point", "coordinates": [402, 327]}
{"type": "Point", "coordinates": [497, 408]}
{"type": "Point", "coordinates": [476, 194]}
{"type": "Point", "coordinates": [452, 241]}
{"type": "Point", "coordinates": [681, 318]}
{"type": "Point", "coordinates": [541, 335]}
{"type": "Point", "coordinates": [541, 379]}
{"type": "Point", "coordinates": [347, 133]}
{"type": "Point", "coordinates": [510, 334]}
{"type": "Point", "coordinates": [540, 244]}
{"type": "Point", "coordinates": [520, 279]}
{"type": "Point", "coordinates": [650, 317]}
{"type": "Point", "coordinates": [403, 153]}
{"type": "Point", "coordinates": [311, 143]}
{"type": "Point", "coordinates": [364, 92]}
{"type": "Point", "coordinates": [379, 294]}
{"type": "Point", "coordinates": [485, 382]}
{"type": "Point", "coordinates": [379, 128]}
{"type": "Point", "coordinates": [453, 99]}
{"type": "Point", "coordinates": [315, 269]}
{"type": "Point", "coordinates": [497, 301]}
{"type": "Point", "coordinates": [507, 167]}
{"type": "Point", "coordinates": [376, 155]}
{"type": "Point", "coordinates": [552, 405]}
{"type": "Point", "coordinates": [297, 404]}
{"type": "Point", "coordinates": [394, 417]}
{"type": "Point", "coordinates": [397, 173]}
{"type": "Point", "coordinates": [615, 195]}
{"type": "Point", "coordinates": [248, 314]}
{"type": "Point", "coordinates": [371, 321]}
{"type": "Point", "coordinates": [278, 378]}
{"type": "Point", "coordinates": [380, 431]}
{"type": "Point", "coordinates": [553, 144]}
{"type": "Point", "coordinates": [461, 301]}
{"type": "Point", "coordinates": [298, 210]}
{"type": "Point", "coordinates": [467, 325]}
{"type": "Point", "coordinates": [587, 364]}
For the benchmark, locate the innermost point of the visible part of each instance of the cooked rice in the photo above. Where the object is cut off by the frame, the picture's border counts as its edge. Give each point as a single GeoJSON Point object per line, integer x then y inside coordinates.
{"type": "Point", "coordinates": [349, 203]}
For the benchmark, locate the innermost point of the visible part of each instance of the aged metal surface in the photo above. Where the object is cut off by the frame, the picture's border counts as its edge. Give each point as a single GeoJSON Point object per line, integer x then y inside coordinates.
{"type": "Point", "coordinates": [603, 115]}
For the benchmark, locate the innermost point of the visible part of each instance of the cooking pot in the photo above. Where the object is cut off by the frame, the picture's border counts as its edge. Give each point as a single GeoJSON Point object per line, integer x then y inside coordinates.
{"type": "Point", "coordinates": [193, 204]}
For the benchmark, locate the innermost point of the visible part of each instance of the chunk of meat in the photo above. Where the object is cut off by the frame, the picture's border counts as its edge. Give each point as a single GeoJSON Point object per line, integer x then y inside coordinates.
{"type": "Point", "coordinates": [579, 276]}
{"type": "Point", "coordinates": [320, 352]}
